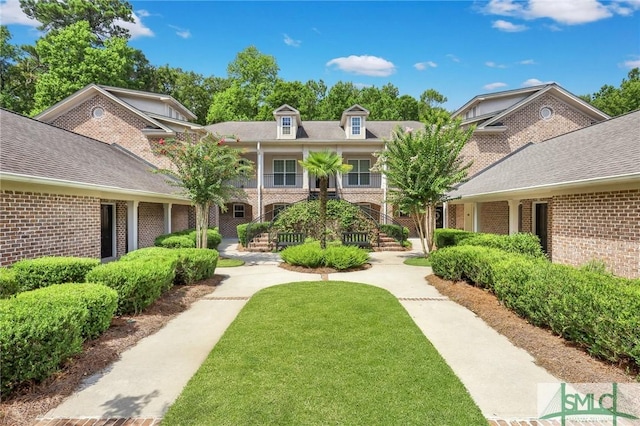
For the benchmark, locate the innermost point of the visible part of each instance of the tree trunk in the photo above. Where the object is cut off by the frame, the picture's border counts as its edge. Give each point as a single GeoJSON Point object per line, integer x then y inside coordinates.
{"type": "Point", "coordinates": [430, 225]}
{"type": "Point", "coordinates": [324, 181]}
{"type": "Point", "coordinates": [202, 224]}
{"type": "Point", "coordinates": [418, 221]}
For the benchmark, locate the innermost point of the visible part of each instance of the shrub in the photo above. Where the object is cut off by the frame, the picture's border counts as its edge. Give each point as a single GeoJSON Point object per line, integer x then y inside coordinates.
{"type": "Point", "coordinates": [45, 271]}
{"type": "Point", "coordinates": [399, 233]}
{"type": "Point", "coordinates": [213, 239]}
{"type": "Point", "coordinates": [528, 244]}
{"type": "Point", "coordinates": [596, 265]}
{"type": "Point", "coordinates": [247, 230]}
{"type": "Point", "coordinates": [447, 237]}
{"type": "Point", "coordinates": [177, 241]}
{"type": "Point", "coordinates": [345, 257]}
{"type": "Point", "coordinates": [8, 282]}
{"type": "Point", "coordinates": [192, 264]}
{"type": "Point", "coordinates": [139, 282]}
{"type": "Point", "coordinates": [309, 255]}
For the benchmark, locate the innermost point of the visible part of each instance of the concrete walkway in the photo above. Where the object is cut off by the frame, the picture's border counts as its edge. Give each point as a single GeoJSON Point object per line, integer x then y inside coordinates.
{"type": "Point", "coordinates": [501, 378]}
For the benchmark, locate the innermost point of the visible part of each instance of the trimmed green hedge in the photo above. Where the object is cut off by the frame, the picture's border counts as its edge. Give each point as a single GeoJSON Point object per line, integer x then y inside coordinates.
{"type": "Point", "coordinates": [45, 271]}
{"type": "Point", "coordinates": [192, 264]}
{"type": "Point", "coordinates": [599, 312]}
{"type": "Point", "coordinates": [312, 256]}
{"type": "Point", "coordinates": [213, 239]}
{"type": "Point", "coordinates": [139, 282]}
{"type": "Point", "coordinates": [255, 228]}
{"type": "Point", "coordinates": [8, 282]}
{"type": "Point", "coordinates": [522, 243]}
{"type": "Point", "coordinates": [40, 329]}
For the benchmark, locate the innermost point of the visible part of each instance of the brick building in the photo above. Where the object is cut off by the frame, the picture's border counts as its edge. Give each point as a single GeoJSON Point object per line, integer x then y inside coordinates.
{"type": "Point", "coordinates": [579, 192]}
{"type": "Point", "coordinates": [70, 195]}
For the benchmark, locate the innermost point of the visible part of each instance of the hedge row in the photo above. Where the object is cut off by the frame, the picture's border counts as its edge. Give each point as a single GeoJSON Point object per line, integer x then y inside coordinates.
{"type": "Point", "coordinates": [192, 264]}
{"type": "Point", "coordinates": [41, 328]}
{"type": "Point", "coordinates": [254, 228]}
{"type": "Point", "coordinates": [599, 312]}
{"type": "Point", "coordinates": [45, 271]}
{"type": "Point", "coordinates": [312, 256]}
{"type": "Point", "coordinates": [8, 283]}
{"type": "Point", "coordinates": [522, 243]}
{"type": "Point", "coordinates": [187, 239]}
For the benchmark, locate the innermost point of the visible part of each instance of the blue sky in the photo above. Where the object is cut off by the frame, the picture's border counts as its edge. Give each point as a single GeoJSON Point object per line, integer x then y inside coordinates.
{"type": "Point", "coordinates": [460, 48]}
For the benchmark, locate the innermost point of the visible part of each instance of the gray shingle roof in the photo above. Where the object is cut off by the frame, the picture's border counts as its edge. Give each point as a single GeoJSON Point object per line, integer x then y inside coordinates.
{"type": "Point", "coordinates": [309, 131]}
{"type": "Point", "coordinates": [608, 149]}
{"type": "Point", "coordinates": [33, 148]}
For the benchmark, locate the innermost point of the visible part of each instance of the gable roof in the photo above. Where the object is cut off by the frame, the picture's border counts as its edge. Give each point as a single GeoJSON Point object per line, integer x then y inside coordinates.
{"type": "Point", "coordinates": [33, 151]}
{"type": "Point", "coordinates": [150, 95]}
{"type": "Point", "coordinates": [510, 101]}
{"type": "Point", "coordinates": [605, 152]}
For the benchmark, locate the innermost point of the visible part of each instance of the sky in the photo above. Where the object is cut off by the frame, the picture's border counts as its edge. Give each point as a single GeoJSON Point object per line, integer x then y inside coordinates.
{"type": "Point", "coordinates": [459, 48]}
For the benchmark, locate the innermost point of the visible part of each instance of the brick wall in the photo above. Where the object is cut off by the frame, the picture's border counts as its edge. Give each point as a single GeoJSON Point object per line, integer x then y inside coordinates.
{"type": "Point", "coordinates": [494, 217]}
{"type": "Point", "coordinates": [121, 228]}
{"type": "Point", "coordinates": [523, 126]}
{"type": "Point", "coordinates": [179, 217]}
{"type": "Point", "coordinates": [39, 224]}
{"type": "Point", "coordinates": [228, 223]}
{"type": "Point", "coordinates": [604, 225]}
{"type": "Point", "coordinates": [150, 223]}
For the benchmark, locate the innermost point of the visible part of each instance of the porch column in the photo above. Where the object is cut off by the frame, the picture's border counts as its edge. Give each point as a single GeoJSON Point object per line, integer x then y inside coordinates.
{"type": "Point", "coordinates": [383, 185]}
{"type": "Point", "coordinates": [167, 217]}
{"type": "Point", "coordinates": [476, 218]}
{"type": "Point", "coordinates": [470, 220]}
{"type": "Point", "coordinates": [513, 216]}
{"type": "Point", "coordinates": [339, 175]}
{"type": "Point", "coordinates": [132, 225]}
{"type": "Point", "coordinates": [259, 179]}
{"type": "Point", "coordinates": [445, 215]}
{"type": "Point", "coordinates": [305, 172]}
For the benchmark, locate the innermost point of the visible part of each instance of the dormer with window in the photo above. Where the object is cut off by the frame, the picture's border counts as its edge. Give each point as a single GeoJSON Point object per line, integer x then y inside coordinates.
{"type": "Point", "coordinates": [353, 122]}
{"type": "Point", "coordinates": [288, 121]}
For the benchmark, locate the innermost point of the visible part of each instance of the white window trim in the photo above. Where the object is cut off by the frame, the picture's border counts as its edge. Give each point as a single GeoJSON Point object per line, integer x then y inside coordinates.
{"type": "Point", "coordinates": [359, 172]}
{"type": "Point", "coordinates": [289, 126]}
{"type": "Point", "coordinates": [114, 232]}
{"type": "Point", "coordinates": [285, 173]}
{"type": "Point", "coordinates": [235, 211]}
{"type": "Point", "coordinates": [359, 126]}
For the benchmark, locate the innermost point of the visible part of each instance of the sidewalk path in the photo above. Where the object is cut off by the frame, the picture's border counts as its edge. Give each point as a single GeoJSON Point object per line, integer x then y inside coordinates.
{"type": "Point", "coordinates": [501, 378]}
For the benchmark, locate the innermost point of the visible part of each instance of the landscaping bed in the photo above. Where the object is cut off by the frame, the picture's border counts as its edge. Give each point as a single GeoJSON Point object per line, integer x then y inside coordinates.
{"type": "Point", "coordinates": [30, 401]}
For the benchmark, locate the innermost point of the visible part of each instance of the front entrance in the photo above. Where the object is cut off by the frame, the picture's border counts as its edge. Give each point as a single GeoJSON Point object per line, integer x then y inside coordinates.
{"type": "Point", "coordinates": [541, 219]}
{"type": "Point", "coordinates": [106, 230]}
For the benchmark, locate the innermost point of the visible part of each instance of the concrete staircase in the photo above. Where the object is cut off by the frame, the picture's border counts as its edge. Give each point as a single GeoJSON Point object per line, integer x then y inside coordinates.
{"type": "Point", "coordinates": [388, 243]}
{"type": "Point", "coordinates": [261, 243]}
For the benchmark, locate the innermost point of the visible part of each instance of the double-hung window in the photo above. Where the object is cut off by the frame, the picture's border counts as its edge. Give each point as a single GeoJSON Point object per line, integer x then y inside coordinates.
{"type": "Point", "coordinates": [359, 174]}
{"type": "Point", "coordinates": [284, 172]}
{"type": "Point", "coordinates": [356, 125]}
{"type": "Point", "coordinates": [238, 210]}
{"type": "Point", "coordinates": [286, 125]}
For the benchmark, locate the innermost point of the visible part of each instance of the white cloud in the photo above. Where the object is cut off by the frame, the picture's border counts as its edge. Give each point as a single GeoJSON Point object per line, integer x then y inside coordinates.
{"type": "Point", "coordinates": [181, 32]}
{"type": "Point", "coordinates": [534, 82]}
{"type": "Point", "coordinates": [364, 65]}
{"type": "Point", "coordinates": [453, 57]}
{"type": "Point", "coordinates": [421, 66]}
{"type": "Point", "coordinates": [315, 30]}
{"type": "Point", "coordinates": [527, 62]}
{"type": "Point", "coordinates": [492, 64]}
{"type": "Point", "coordinates": [136, 28]}
{"type": "Point", "coordinates": [632, 63]}
{"type": "Point", "coordinates": [143, 13]}
{"type": "Point", "coordinates": [567, 12]}
{"type": "Point", "coordinates": [508, 27]}
{"type": "Point", "coordinates": [496, 85]}
{"type": "Point", "coordinates": [291, 42]}
{"type": "Point", "coordinates": [11, 13]}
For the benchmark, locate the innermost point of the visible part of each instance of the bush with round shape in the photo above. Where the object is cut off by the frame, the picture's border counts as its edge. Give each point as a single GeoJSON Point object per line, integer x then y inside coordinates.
{"type": "Point", "coordinates": [45, 271]}
{"type": "Point", "coordinates": [345, 257]}
{"type": "Point", "coordinates": [192, 264]}
{"type": "Point", "coordinates": [309, 255]}
{"type": "Point", "coordinates": [8, 283]}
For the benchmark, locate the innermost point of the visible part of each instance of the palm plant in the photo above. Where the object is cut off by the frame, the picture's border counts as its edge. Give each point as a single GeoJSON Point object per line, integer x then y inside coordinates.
{"type": "Point", "coordinates": [324, 164]}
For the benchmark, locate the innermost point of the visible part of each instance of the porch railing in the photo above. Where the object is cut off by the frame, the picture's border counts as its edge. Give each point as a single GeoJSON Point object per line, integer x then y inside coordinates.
{"type": "Point", "coordinates": [282, 180]}
{"type": "Point", "coordinates": [362, 180]}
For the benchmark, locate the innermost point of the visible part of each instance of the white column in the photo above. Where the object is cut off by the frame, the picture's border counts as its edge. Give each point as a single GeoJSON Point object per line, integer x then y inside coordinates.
{"type": "Point", "coordinates": [445, 215]}
{"type": "Point", "coordinates": [339, 175]}
{"type": "Point", "coordinates": [132, 225]}
{"type": "Point", "coordinates": [513, 216]}
{"type": "Point", "coordinates": [259, 179]}
{"type": "Point", "coordinates": [476, 218]}
{"type": "Point", "coordinates": [167, 217]}
{"type": "Point", "coordinates": [305, 172]}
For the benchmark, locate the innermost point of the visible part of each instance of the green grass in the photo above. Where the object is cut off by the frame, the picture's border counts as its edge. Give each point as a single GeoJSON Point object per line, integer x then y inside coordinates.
{"type": "Point", "coordinates": [417, 261]}
{"type": "Point", "coordinates": [325, 352]}
{"type": "Point", "coordinates": [229, 263]}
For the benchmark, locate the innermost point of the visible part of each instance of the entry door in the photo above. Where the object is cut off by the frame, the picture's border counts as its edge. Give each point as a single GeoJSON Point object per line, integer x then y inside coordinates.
{"type": "Point", "coordinates": [541, 222]}
{"type": "Point", "coordinates": [106, 230]}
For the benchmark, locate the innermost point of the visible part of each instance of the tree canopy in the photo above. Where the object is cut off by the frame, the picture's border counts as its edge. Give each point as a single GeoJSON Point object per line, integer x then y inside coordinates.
{"type": "Point", "coordinates": [617, 101]}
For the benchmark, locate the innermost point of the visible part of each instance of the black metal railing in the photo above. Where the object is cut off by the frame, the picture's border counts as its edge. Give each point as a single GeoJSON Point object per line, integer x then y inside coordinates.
{"type": "Point", "coordinates": [362, 180]}
{"type": "Point", "coordinates": [245, 182]}
{"type": "Point", "coordinates": [282, 180]}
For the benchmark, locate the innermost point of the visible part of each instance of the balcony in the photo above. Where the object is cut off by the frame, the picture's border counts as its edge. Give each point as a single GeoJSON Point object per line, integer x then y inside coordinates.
{"type": "Point", "coordinates": [362, 180]}
{"type": "Point", "coordinates": [292, 180]}
{"type": "Point", "coordinates": [245, 183]}
{"type": "Point", "coordinates": [283, 180]}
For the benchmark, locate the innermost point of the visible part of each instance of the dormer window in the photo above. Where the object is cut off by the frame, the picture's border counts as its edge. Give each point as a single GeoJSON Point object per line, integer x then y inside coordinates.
{"type": "Point", "coordinates": [286, 125]}
{"type": "Point", "coordinates": [356, 125]}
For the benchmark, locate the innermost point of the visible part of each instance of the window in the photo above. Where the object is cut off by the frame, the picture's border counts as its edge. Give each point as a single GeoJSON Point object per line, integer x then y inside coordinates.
{"type": "Point", "coordinates": [277, 208]}
{"type": "Point", "coordinates": [238, 210]}
{"type": "Point", "coordinates": [356, 125]}
{"type": "Point", "coordinates": [359, 174]}
{"type": "Point", "coordinates": [286, 125]}
{"type": "Point", "coordinates": [284, 172]}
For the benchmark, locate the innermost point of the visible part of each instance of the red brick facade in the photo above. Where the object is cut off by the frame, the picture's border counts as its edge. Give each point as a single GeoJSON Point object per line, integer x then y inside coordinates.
{"type": "Point", "coordinates": [494, 217]}
{"type": "Point", "coordinates": [150, 223]}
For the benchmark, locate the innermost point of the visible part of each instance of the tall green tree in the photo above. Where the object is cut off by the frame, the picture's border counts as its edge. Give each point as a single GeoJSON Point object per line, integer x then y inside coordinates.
{"type": "Point", "coordinates": [73, 59]}
{"type": "Point", "coordinates": [340, 96]}
{"type": "Point", "coordinates": [323, 165]}
{"type": "Point", "coordinates": [431, 110]}
{"type": "Point", "coordinates": [205, 171]}
{"type": "Point", "coordinates": [421, 167]}
{"type": "Point", "coordinates": [103, 16]}
{"type": "Point", "coordinates": [621, 100]}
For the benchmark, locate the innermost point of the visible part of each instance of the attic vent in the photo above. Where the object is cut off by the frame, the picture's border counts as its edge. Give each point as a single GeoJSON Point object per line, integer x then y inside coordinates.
{"type": "Point", "coordinates": [97, 112]}
{"type": "Point", "coordinates": [546, 112]}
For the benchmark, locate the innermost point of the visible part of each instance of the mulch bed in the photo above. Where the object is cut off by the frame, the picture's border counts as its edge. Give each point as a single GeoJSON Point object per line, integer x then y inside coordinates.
{"type": "Point", "coordinates": [563, 359]}
{"type": "Point", "coordinates": [35, 399]}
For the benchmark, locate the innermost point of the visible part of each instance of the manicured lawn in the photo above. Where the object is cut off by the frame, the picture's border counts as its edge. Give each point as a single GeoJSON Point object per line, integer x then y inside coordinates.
{"type": "Point", "coordinates": [417, 261]}
{"type": "Point", "coordinates": [229, 263]}
{"type": "Point", "coordinates": [325, 352]}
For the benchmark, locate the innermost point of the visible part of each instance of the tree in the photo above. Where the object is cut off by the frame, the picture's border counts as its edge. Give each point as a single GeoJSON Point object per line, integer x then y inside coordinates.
{"type": "Point", "coordinates": [103, 16]}
{"type": "Point", "coordinates": [230, 105]}
{"type": "Point", "coordinates": [73, 59]}
{"type": "Point", "coordinates": [341, 96]}
{"type": "Point", "coordinates": [324, 164]}
{"type": "Point", "coordinates": [421, 167]}
{"type": "Point", "coordinates": [205, 171]}
{"type": "Point", "coordinates": [618, 101]}
{"type": "Point", "coordinates": [294, 93]}
{"type": "Point", "coordinates": [256, 75]}
{"type": "Point", "coordinates": [430, 109]}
